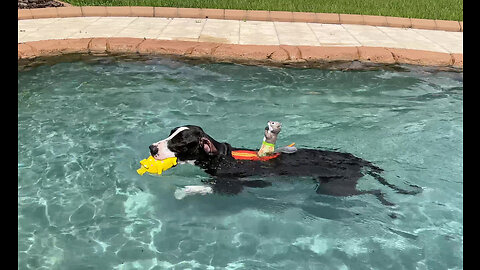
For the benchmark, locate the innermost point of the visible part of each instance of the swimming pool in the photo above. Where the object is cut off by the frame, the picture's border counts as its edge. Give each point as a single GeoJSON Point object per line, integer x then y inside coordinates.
{"type": "Point", "coordinates": [84, 126]}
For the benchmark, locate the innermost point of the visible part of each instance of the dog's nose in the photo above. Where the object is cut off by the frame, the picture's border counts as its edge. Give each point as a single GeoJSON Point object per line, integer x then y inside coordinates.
{"type": "Point", "coordinates": [153, 150]}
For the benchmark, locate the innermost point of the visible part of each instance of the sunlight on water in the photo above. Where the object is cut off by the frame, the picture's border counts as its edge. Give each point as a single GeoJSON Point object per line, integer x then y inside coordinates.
{"type": "Point", "coordinates": [83, 127]}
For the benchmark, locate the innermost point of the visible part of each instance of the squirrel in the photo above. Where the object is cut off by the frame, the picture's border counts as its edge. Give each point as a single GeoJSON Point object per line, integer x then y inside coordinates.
{"type": "Point", "coordinates": [270, 138]}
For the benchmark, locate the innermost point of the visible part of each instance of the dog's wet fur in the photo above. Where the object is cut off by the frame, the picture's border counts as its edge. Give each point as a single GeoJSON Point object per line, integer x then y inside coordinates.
{"type": "Point", "coordinates": [337, 173]}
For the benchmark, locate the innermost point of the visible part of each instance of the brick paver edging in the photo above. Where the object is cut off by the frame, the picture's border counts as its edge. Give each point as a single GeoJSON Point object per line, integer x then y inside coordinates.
{"type": "Point", "coordinates": [282, 54]}
{"type": "Point", "coordinates": [228, 14]}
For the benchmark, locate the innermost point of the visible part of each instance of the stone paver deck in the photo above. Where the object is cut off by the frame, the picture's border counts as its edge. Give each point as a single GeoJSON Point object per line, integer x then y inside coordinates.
{"type": "Point", "coordinates": [240, 32]}
{"type": "Point", "coordinates": [240, 36]}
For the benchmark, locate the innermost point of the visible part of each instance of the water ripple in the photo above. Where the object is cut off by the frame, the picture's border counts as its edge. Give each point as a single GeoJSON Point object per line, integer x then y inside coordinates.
{"type": "Point", "coordinates": [83, 127]}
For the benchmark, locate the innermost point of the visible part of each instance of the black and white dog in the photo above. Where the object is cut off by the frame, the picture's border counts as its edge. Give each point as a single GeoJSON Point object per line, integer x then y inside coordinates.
{"type": "Point", "coordinates": [337, 173]}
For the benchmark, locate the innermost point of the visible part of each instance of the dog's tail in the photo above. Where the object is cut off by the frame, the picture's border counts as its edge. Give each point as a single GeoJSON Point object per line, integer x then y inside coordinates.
{"type": "Point", "coordinates": [375, 172]}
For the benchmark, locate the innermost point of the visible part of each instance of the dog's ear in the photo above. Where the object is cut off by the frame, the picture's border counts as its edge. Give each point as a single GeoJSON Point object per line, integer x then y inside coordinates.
{"type": "Point", "coordinates": [208, 146]}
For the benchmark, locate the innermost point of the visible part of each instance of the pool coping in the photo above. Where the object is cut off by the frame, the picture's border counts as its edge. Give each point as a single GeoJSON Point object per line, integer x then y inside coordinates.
{"type": "Point", "coordinates": [236, 53]}
{"type": "Point", "coordinates": [254, 54]}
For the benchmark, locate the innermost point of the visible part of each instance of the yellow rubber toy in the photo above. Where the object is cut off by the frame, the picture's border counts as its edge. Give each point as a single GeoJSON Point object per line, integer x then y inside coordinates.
{"type": "Point", "coordinates": [154, 166]}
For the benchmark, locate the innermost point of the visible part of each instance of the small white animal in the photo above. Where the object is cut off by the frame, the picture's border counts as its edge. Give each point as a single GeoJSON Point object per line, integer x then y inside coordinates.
{"type": "Point", "coordinates": [270, 138]}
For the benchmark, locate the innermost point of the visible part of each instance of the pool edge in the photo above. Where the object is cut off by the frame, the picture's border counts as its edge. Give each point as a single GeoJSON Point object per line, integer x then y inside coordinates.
{"type": "Point", "coordinates": [270, 54]}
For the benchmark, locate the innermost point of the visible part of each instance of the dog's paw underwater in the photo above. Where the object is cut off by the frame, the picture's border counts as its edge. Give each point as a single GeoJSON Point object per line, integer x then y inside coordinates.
{"type": "Point", "coordinates": [154, 166]}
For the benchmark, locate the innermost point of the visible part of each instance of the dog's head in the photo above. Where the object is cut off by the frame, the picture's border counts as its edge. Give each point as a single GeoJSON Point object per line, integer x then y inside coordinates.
{"type": "Point", "coordinates": [187, 143]}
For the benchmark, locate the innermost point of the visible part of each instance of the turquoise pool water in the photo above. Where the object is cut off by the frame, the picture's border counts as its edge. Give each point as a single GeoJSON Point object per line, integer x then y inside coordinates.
{"type": "Point", "coordinates": [84, 126]}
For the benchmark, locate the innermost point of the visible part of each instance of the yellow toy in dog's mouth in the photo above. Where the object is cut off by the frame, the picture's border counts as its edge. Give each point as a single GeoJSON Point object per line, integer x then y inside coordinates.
{"type": "Point", "coordinates": [154, 166]}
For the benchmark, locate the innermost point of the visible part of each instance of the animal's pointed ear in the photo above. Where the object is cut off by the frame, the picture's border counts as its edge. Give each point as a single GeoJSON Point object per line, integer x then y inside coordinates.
{"type": "Point", "coordinates": [208, 146]}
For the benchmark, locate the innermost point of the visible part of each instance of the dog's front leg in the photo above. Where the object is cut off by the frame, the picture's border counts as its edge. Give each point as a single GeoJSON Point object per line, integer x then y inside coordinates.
{"type": "Point", "coordinates": [219, 185]}
{"type": "Point", "coordinates": [181, 193]}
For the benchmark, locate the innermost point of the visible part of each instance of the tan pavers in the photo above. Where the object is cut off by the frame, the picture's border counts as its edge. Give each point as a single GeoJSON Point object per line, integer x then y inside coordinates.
{"type": "Point", "coordinates": [451, 42]}
{"type": "Point", "coordinates": [31, 27]}
{"type": "Point", "coordinates": [295, 34]}
{"type": "Point", "coordinates": [223, 31]}
{"type": "Point", "coordinates": [333, 35]}
{"type": "Point", "coordinates": [407, 38]}
{"type": "Point", "coordinates": [368, 35]}
{"type": "Point", "coordinates": [258, 32]}
{"type": "Point", "coordinates": [103, 27]}
{"type": "Point", "coordinates": [21, 37]}
{"type": "Point", "coordinates": [31, 31]}
{"type": "Point", "coordinates": [272, 38]}
{"type": "Point", "coordinates": [183, 29]}
{"type": "Point", "coordinates": [247, 32]}
{"type": "Point", "coordinates": [144, 27]}
{"type": "Point", "coordinates": [70, 27]}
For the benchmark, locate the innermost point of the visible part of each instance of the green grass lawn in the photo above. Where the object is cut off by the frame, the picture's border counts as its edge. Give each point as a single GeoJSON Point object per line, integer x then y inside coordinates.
{"type": "Point", "coordinates": [424, 9]}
